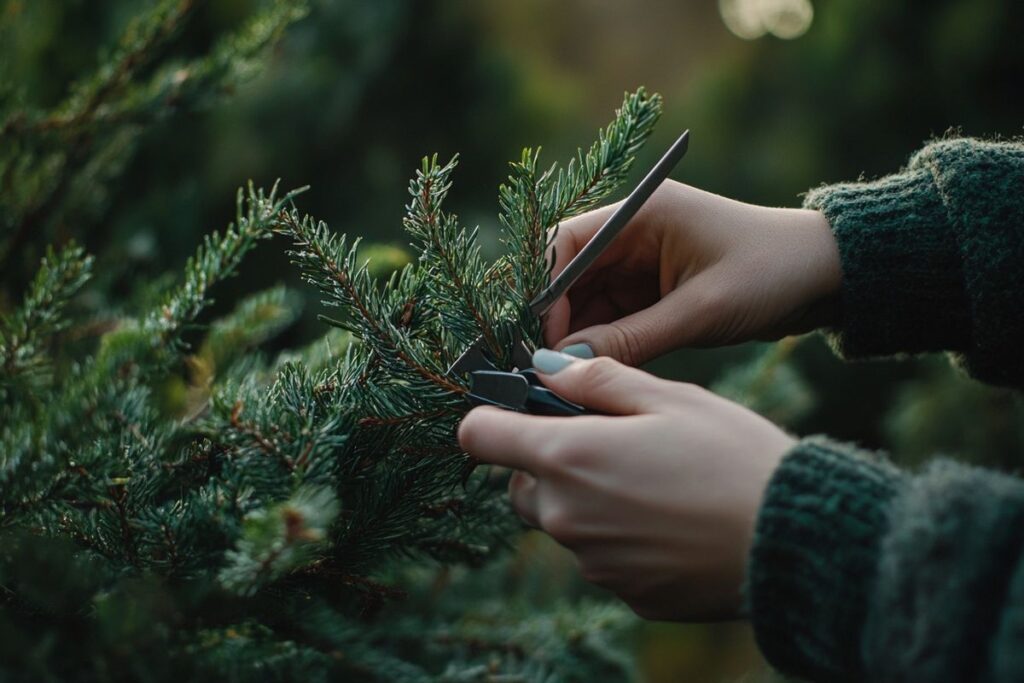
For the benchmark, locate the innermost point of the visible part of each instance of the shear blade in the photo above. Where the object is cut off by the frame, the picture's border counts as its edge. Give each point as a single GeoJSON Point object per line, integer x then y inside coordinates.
{"type": "Point", "coordinates": [522, 356]}
{"type": "Point", "coordinates": [472, 359]}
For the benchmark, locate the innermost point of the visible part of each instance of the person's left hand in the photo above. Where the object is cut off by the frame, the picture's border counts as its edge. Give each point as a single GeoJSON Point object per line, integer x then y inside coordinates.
{"type": "Point", "coordinates": [658, 499]}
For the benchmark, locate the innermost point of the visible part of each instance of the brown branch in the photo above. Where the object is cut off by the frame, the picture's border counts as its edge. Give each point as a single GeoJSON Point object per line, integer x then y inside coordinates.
{"type": "Point", "coordinates": [538, 231]}
{"type": "Point", "coordinates": [381, 590]}
{"type": "Point", "coordinates": [253, 432]}
{"type": "Point", "coordinates": [172, 551]}
{"type": "Point", "coordinates": [118, 495]}
{"type": "Point", "coordinates": [455, 506]}
{"type": "Point", "coordinates": [594, 180]}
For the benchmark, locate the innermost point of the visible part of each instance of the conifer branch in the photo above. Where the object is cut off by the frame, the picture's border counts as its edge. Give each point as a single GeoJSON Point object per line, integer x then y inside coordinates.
{"type": "Point", "coordinates": [255, 319]}
{"type": "Point", "coordinates": [450, 254]}
{"type": "Point", "coordinates": [267, 518]}
{"type": "Point", "coordinates": [137, 46]}
{"type": "Point", "coordinates": [329, 265]}
{"type": "Point", "coordinates": [591, 177]}
{"type": "Point", "coordinates": [24, 333]}
{"type": "Point", "coordinates": [105, 112]}
{"type": "Point", "coordinates": [217, 259]}
{"type": "Point", "coordinates": [532, 205]}
{"type": "Point", "coordinates": [253, 432]}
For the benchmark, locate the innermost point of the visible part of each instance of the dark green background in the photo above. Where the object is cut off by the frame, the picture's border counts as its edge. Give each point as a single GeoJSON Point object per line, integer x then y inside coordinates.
{"type": "Point", "coordinates": [357, 92]}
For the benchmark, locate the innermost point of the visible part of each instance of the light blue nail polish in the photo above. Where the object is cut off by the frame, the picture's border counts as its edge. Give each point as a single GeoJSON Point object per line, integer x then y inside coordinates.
{"type": "Point", "coordinates": [549, 362]}
{"type": "Point", "coordinates": [579, 350]}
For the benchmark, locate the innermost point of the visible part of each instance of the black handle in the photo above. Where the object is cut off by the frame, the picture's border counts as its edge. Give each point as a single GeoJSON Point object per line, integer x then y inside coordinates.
{"type": "Point", "coordinates": [543, 401]}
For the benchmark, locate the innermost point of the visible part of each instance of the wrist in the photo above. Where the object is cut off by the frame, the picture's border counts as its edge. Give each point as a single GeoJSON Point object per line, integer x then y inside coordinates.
{"type": "Point", "coordinates": [798, 265]}
{"type": "Point", "coordinates": [824, 268]}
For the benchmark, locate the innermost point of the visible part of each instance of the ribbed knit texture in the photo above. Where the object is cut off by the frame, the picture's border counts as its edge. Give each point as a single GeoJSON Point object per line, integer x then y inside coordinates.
{"type": "Point", "coordinates": [859, 571]}
{"type": "Point", "coordinates": [813, 562]}
{"type": "Point", "coordinates": [932, 258]}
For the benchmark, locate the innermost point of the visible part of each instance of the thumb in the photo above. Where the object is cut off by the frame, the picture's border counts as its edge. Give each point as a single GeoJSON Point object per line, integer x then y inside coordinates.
{"type": "Point", "coordinates": [600, 383]}
{"type": "Point", "coordinates": [682, 317]}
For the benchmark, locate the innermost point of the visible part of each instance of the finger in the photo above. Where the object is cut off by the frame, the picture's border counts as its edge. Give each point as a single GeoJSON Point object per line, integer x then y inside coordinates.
{"type": "Point", "coordinates": [572, 235]}
{"type": "Point", "coordinates": [684, 316]}
{"type": "Point", "coordinates": [601, 384]}
{"type": "Point", "coordinates": [522, 491]}
{"type": "Point", "coordinates": [503, 437]}
{"type": "Point", "coordinates": [556, 323]}
{"type": "Point", "coordinates": [590, 301]}
{"type": "Point", "coordinates": [593, 310]}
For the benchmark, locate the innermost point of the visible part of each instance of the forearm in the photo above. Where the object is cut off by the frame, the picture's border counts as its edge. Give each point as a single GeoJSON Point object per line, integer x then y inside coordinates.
{"type": "Point", "coordinates": [859, 571]}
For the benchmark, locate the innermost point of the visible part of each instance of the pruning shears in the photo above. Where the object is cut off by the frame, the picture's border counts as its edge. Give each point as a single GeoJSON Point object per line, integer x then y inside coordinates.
{"type": "Point", "coordinates": [521, 389]}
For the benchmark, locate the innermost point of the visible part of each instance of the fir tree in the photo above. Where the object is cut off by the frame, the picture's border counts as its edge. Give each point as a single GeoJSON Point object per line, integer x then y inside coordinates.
{"type": "Point", "coordinates": [279, 524]}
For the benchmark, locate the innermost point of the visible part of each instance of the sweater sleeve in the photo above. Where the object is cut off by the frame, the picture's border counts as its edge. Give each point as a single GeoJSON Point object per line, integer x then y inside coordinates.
{"type": "Point", "coordinates": [862, 572]}
{"type": "Point", "coordinates": [933, 258]}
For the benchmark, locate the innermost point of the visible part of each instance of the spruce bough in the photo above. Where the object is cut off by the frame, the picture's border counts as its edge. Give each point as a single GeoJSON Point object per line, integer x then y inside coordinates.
{"type": "Point", "coordinates": [280, 520]}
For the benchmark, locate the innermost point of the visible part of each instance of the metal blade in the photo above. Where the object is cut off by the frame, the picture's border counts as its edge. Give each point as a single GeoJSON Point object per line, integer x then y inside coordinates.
{"type": "Point", "coordinates": [472, 359]}
{"type": "Point", "coordinates": [522, 356]}
{"type": "Point", "coordinates": [543, 302]}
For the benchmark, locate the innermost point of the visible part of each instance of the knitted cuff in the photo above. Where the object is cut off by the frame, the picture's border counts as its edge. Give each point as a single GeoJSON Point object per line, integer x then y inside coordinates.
{"type": "Point", "coordinates": [944, 608]}
{"type": "Point", "coordinates": [903, 288]}
{"type": "Point", "coordinates": [981, 184]}
{"type": "Point", "coordinates": [813, 560]}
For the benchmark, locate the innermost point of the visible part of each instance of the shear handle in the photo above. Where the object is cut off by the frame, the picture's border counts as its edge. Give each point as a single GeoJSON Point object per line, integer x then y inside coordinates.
{"type": "Point", "coordinates": [543, 401]}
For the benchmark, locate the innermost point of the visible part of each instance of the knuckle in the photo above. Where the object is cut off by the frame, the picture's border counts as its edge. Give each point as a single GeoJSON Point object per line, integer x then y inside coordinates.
{"type": "Point", "coordinates": [519, 483]}
{"type": "Point", "coordinates": [549, 455]}
{"type": "Point", "coordinates": [562, 458]}
{"type": "Point", "coordinates": [643, 604]}
{"type": "Point", "coordinates": [559, 523]}
{"type": "Point", "coordinates": [629, 342]}
{"type": "Point", "coordinates": [598, 372]}
{"type": "Point", "coordinates": [710, 302]}
{"type": "Point", "coordinates": [557, 457]}
{"type": "Point", "coordinates": [688, 389]}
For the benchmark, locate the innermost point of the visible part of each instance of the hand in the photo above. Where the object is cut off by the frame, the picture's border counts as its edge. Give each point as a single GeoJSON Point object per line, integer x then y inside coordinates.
{"type": "Point", "coordinates": [658, 501]}
{"type": "Point", "coordinates": [695, 269]}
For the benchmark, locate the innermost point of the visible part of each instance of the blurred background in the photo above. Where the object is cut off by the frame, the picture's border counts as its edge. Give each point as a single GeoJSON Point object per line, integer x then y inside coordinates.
{"type": "Point", "coordinates": [780, 96]}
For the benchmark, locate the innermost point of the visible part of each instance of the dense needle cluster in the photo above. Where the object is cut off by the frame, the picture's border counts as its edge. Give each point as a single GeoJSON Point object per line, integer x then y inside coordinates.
{"type": "Point", "coordinates": [293, 516]}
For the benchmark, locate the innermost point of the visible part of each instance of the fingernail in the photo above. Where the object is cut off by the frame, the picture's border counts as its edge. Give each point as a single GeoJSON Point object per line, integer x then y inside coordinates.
{"type": "Point", "coordinates": [579, 350]}
{"type": "Point", "coordinates": [549, 362]}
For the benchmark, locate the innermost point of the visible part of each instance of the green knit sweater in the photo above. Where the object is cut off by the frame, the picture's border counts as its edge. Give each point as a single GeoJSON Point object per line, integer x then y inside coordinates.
{"type": "Point", "coordinates": [860, 571]}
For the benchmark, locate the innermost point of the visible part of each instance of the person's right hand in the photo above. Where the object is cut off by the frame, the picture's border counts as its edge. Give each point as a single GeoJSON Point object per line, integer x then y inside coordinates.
{"type": "Point", "coordinates": [695, 269]}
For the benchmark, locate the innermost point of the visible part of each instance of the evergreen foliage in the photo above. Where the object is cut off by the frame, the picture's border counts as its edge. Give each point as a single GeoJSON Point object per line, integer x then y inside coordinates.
{"type": "Point", "coordinates": [99, 393]}
{"type": "Point", "coordinates": [56, 164]}
{"type": "Point", "coordinates": [276, 524]}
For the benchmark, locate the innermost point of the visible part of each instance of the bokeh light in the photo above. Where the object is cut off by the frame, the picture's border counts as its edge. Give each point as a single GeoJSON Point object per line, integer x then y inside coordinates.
{"type": "Point", "coordinates": [750, 19]}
